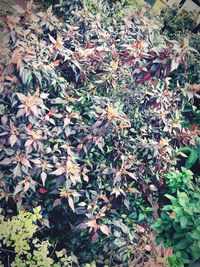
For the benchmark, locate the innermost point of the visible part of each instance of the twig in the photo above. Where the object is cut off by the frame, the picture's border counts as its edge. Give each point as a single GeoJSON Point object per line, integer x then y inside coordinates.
{"type": "Point", "coordinates": [7, 250]}
{"type": "Point", "coordinates": [54, 248]}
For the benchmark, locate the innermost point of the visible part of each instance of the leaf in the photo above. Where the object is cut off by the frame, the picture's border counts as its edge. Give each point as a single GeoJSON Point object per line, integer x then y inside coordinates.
{"type": "Point", "coordinates": [117, 177]}
{"type": "Point", "coordinates": [22, 97]}
{"type": "Point", "coordinates": [18, 189]}
{"type": "Point", "coordinates": [71, 203]}
{"type": "Point", "coordinates": [182, 244]}
{"type": "Point", "coordinates": [193, 157]}
{"type": "Point", "coordinates": [92, 224]}
{"type": "Point", "coordinates": [173, 199]}
{"type": "Point", "coordinates": [43, 177]}
{"type": "Point", "coordinates": [95, 237]}
{"type": "Point", "coordinates": [59, 171]}
{"type": "Point", "coordinates": [29, 142]}
{"type": "Point", "coordinates": [5, 161]}
{"type": "Point", "coordinates": [57, 202]}
{"type": "Point", "coordinates": [42, 190]}
{"type": "Point", "coordinates": [115, 65]}
{"type": "Point", "coordinates": [25, 162]}
{"type": "Point", "coordinates": [36, 161]}
{"type": "Point", "coordinates": [183, 199]}
{"type": "Point", "coordinates": [26, 186]}
{"type": "Point", "coordinates": [119, 242]}
{"type": "Point", "coordinates": [16, 171]}
{"type": "Point", "coordinates": [183, 222]}
{"type": "Point", "coordinates": [45, 222]}
{"type": "Point", "coordinates": [52, 39]}
{"type": "Point", "coordinates": [174, 64]}
{"type": "Point", "coordinates": [13, 139]}
{"type": "Point", "coordinates": [196, 234]}
{"type": "Point", "coordinates": [104, 229]}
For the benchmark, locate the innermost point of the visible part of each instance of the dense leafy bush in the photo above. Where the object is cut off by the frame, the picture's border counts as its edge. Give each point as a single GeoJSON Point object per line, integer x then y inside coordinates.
{"type": "Point", "coordinates": [179, 222]}
{"type": "Point", "coordinates": [90, 126]}
{"type": "Point", "coordinates": [18, 234]}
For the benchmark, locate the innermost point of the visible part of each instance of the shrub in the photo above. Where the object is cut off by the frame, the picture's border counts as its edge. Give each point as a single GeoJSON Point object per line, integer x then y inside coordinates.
{"type": "Point", "coordinates": [19, 245]}
{"type": "Point", "coordinates": [179, 223]}
{"type": "Point", "coordinates": [89, 127]}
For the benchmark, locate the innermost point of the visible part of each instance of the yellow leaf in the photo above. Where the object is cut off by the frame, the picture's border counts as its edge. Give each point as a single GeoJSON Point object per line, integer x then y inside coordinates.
{"type": "Point", "coordinates": [115, 65]}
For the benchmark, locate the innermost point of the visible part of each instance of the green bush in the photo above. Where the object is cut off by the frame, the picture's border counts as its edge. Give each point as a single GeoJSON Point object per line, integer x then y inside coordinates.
{"type": "Point", "coordinates": [179, 224]}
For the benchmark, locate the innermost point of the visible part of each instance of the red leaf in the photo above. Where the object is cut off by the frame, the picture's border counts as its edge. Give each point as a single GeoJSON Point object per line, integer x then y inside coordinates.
{"type": "Point", "coordinates": [29, 126]}
{"type": "Point", "coordinates": [146, 77]}
{"type": "Point", "coordinates": [161, 184]}
{"type": "Point", "coordinates": [42, 190]}
{"type": "Point", "coordinates": [50, 114]}
{"type": "Point", "coordinates": [193, 127]}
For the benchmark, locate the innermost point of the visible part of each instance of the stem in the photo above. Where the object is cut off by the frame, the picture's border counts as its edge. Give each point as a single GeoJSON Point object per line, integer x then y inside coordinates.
{"type": "Point", "coordinates": [7, 250]}
{"type": "Point", "coordinates": [54, 248]}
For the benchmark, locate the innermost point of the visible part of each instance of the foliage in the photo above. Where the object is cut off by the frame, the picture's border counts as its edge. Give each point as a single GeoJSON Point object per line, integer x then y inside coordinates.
{"type": "Point", "coordinates": [193, 154]}
{"type": "Point", "coordinates": [179, 222]}
{"type": "Point", "coordinates": [182, 26]}
{"type": "Point", "coordinates": [20, 246]}
{"type": "Point", "coordinates": [90, 124]}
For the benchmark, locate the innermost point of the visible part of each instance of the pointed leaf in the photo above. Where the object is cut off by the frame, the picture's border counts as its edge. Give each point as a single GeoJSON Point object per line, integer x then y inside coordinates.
{"type": "Point", "coordinates": [105, 230]}
{"type": "Point", "coordinates": [5, 161]}
{"type": "Point", "coordinates": [71, 203]}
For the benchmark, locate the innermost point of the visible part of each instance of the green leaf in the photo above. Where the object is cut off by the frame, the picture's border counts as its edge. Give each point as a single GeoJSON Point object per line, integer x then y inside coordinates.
{"type": "Point", "coordinates": [183, 199]}
{"type": "Point", "coordinates": [183, 222]}
{"type": "Point", "coordinates": [182, 244]}
{"type": "Point", "coordinates": [173, 199]}
{"type": "Point", "coordinates": [196, 234]}
{"type": "Point", "coordinates": [192, 158]}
